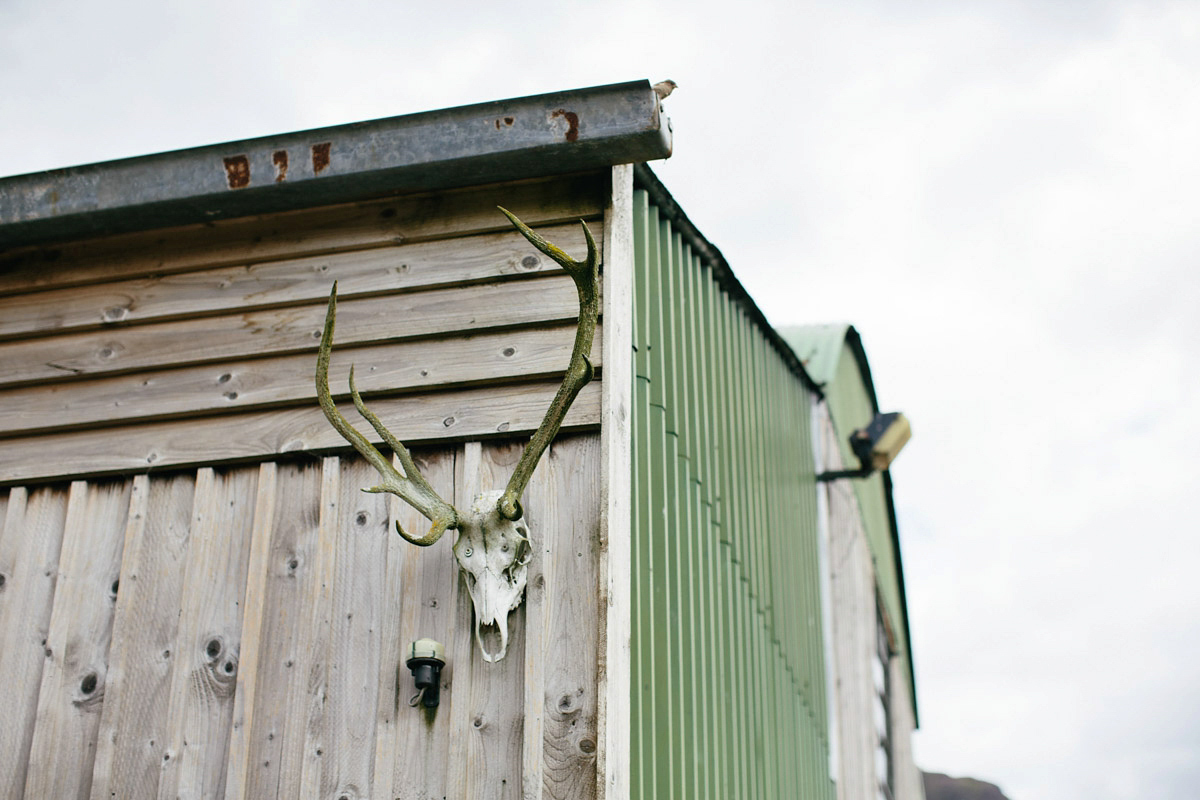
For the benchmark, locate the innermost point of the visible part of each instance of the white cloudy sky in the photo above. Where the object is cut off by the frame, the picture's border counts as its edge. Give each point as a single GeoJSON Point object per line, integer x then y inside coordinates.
{"type": "Point", "coordinates": [1004, 197]}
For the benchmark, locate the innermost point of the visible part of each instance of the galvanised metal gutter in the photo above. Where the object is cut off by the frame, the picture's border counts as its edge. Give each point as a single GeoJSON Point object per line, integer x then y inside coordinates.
{"type": "Point", "coordinates": [527, 137]}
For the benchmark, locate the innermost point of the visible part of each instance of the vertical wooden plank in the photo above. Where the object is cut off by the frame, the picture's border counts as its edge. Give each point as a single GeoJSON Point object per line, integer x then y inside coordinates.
{"type": "Point", "coordinates": [208, 641]}
{"type": "Point", "coordinates": [494, 730]}
{"type": "Point", "coordinates": [74, 676]}
{"type": "Point", "coordinates": [460, 650]}
{"type": "Point", "coordinates": [567, 497]}
{"type": "Point", "coordinates": [317, 636]}
{"type": "Point", "coordinates": [540, 756]}
{"type": "Point", "coordinates": [29, 550]}
{"type": "Point", "coordinates": [134, 737]}
{"type": "Point", "coordinates": [412, 744]}
{"type": "Point", "coordinates": [356, 597]}
{"type": "Point", "coordinates": [240, 743]}
{"type": "Point", "coordinates": [289, 581]}
{"type": "Point", "coordinates": [616, 558]}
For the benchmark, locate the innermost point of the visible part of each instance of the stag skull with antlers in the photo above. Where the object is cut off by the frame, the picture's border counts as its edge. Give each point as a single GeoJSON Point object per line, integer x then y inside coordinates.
{"type": "Point", "coordinates": [493, 548]}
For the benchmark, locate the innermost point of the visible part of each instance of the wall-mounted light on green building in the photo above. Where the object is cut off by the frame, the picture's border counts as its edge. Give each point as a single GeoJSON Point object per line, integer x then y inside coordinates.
{"type": "Point", "coordinates": [876, 445]}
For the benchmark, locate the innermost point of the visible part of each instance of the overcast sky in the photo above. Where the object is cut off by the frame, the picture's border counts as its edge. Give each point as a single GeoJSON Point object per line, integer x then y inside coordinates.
{"type": "Point", "coordinates": [1001, 196]}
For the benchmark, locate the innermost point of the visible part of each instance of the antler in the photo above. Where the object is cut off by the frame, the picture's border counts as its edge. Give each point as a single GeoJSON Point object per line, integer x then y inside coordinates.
{"type": "Point", "coordinates": [586, 276]}
{"type": "Point", "coordinates": [413, 488]}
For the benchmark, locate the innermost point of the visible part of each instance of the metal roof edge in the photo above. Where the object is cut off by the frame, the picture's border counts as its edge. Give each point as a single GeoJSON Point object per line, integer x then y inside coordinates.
{"type": "Point", "coordinates": [644, 178]}
{"type": "Point", "coordinates": [526, 137]}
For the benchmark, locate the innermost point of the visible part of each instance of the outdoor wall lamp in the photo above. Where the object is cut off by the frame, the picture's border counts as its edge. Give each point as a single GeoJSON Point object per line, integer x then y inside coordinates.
{"type": "Point", "coordinates": [876, 445]}
{"type": "Point", "coordinates": [426, 659]}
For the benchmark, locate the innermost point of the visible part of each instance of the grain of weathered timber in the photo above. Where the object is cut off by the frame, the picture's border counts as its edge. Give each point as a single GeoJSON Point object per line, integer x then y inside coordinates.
{"type": "Point", "coordinates": [400, 269]}
{"type": "Point", "coordinates": [614, 715]}
{"type": "Point", "coordinates": [495, 703]}
{"type": "Point", "coordinates": [419, 600]}
{"type": "Point", "coordinates": [287, 582]}
{"type": "Point", "coordinates": [29, 551]}
{"type": "Point", "coordinates": [461, 647]}
{"type": "Point", "coordinates": [492, 357]}
{"type": "Point", "coordinates": [354, 226]}
{"type": "Point", "coordinates": [488, 412]}
{"type": "Point", "coordinates": [357, 600]}
{"type": "Point", "coordinates": [572, 500]}
{"type": "Point", "coordinates": [542, 506]}
{"type": "Point", "coordinates": [134, 736]}
{"type": "Point", "coordinates": [253, 619]}
{"type": "Point", "coordinates": [309, 712]}
{"type": "Point", "coordinates": [281, 331]}
{"type": "Point", "coordinates": [208, 641]}
{"type": "Point", "coordinates": [76, 667]}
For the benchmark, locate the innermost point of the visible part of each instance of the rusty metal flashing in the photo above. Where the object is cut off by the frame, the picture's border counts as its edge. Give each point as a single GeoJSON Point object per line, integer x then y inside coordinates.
{"type": "Point", "coordinates": [526, 137]}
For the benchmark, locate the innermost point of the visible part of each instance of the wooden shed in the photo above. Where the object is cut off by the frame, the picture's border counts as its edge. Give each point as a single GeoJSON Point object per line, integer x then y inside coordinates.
{"type": "Point", "coordinates": [197, 600]}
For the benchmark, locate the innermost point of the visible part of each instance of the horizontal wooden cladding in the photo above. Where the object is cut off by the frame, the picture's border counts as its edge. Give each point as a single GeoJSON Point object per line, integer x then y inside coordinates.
{"type": "Point", "coordinates": [243, 384]}
{"type": "Point", "coordinates": [290, 330]}
{"type": "Point", "coordinates": [240, 633]}
{"type": "Point", "coordinates": [467, 414]}
{"type": "Point", "coordinates": [198, 345]}
{"type": "Point", "coordinates": [403, 268]}
{"type": "Point", "coordinates": [358, 226]}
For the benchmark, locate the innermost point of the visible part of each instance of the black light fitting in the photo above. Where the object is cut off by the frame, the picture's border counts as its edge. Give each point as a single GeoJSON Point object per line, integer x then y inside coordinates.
{"type": "Point", "coordinates": [876, 446]}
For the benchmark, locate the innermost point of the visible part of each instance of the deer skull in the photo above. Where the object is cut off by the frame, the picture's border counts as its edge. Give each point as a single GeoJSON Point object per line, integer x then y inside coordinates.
{"type": "Point", "coordinates": [494, 555]}
{"type": "Point", "coordinates": [493, 549]}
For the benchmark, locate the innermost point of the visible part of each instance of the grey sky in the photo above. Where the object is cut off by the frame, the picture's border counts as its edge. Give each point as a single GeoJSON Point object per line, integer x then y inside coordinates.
{"type": "Point", "coordinates": [1001, 196]}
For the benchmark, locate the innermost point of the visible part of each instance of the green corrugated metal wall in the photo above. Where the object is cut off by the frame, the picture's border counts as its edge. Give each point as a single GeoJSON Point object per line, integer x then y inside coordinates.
{"type": "Point", "coordinates": [728, 687]}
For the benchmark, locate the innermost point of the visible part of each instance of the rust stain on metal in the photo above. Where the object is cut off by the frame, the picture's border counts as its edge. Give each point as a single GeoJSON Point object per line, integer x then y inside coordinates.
{"type": "Point", "coordinates": [280, 159]}
{"type": "Point", "coordinates": [506, 120]}
{"type": "Point", "coordinates": [320, 156]}
{"type": "Point", "coordinates": [237, 172]}
{"type": "Point", "coordinates": [572, 123]}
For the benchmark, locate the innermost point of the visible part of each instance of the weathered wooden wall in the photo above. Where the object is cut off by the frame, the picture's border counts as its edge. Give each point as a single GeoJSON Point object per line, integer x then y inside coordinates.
{"type": "Point", "coordinates": [196, 600]}
{"type": "Point", "coordinates": [855, 606]}
{"type": "Point", "coordinates": [197, 345]}
{"type": "Point", "coordinates": [239, 633]}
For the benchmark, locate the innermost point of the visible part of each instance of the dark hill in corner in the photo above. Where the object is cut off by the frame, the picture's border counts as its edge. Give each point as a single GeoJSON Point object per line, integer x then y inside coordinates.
{"type": "Point", "coordinates": [943, 787]}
